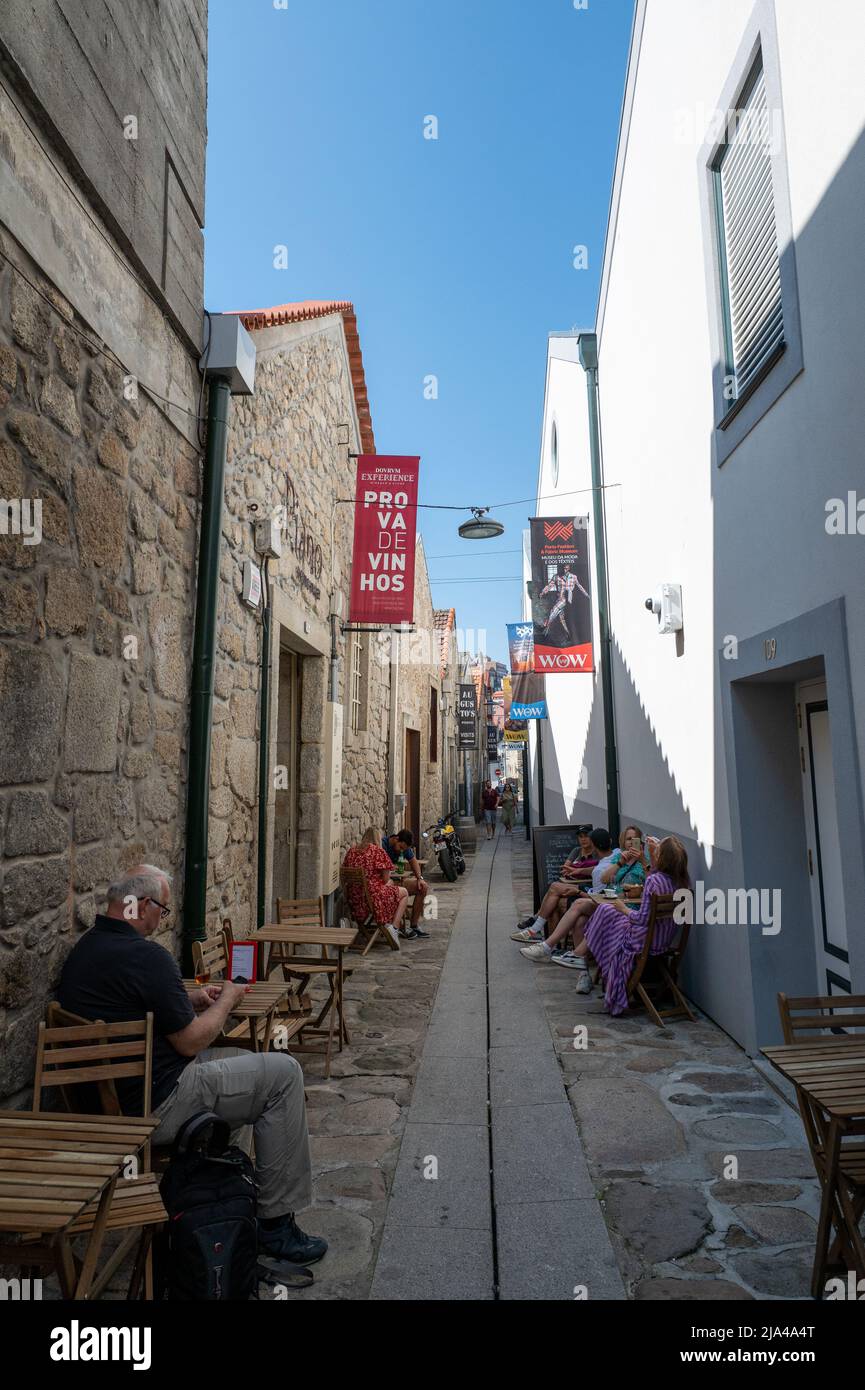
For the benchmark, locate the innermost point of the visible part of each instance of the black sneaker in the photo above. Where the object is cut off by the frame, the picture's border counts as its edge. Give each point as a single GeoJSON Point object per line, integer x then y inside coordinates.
{"type": "Point", "coordinates": [409, 933]}
{"type": "Point", "coordinates": [288, 1242]}
{"type": "Point", "coordinates": [419, 932]}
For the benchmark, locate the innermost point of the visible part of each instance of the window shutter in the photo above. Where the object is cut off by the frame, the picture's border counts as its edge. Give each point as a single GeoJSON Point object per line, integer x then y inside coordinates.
{"type": "Point", "coordinates": [747, 213]}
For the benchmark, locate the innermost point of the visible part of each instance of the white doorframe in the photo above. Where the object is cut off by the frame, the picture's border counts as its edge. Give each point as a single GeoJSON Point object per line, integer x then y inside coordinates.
{"type": "Point", "coordinates": [825, 838]}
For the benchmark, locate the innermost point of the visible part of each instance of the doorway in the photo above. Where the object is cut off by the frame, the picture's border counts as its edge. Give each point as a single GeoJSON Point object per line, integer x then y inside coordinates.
{"type": "Point", "coordinates": [285, 776]}
{"type": "Point", "coordinates": [823, 837]}
{"type": "Point", "coordinates": [412, 783]}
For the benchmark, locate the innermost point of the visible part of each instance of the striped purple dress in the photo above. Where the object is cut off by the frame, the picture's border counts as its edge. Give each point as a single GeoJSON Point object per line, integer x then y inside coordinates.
{"type": "Point", "coordinates": [615, 940]}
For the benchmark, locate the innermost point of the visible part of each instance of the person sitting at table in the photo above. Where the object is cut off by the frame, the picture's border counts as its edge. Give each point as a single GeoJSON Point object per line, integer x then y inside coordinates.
{"type": "Point", "coordinates": [574, 873]}
{"type": "Point", "coordinates": [115, 974]}
{"type": "Point", "coordinates": [577, 912]}
{"type": "Point", "coordinates": [629, 864]}
{"type": "Point", "coordinates": [389, 900]}
{"type": "Point", "coordinates": [401, 845]}
{"type": "Point", "coordinates": [614, 938]}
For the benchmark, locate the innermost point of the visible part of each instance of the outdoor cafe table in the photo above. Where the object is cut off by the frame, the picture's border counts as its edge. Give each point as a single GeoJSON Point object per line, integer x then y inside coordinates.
{"type": "Point", "coordinates": [53, 1166]}
{"type": "Point", "coordinates": [625, 905]}
{"type": "Point", "coordinates": [285, 939]}
{"type": "Point", "coordinates": [829, 1076]}
{"type": "Point", "coordinates": [260, 1002]}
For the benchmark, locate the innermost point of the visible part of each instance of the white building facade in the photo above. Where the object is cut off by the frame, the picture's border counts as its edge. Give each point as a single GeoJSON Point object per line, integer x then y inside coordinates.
{"type": "Point", "coordinates": [730, 368]}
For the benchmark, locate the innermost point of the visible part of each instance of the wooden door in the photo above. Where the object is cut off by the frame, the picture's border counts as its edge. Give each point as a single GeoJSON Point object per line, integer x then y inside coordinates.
{"type": "Point", "coordinates": [412, 783]}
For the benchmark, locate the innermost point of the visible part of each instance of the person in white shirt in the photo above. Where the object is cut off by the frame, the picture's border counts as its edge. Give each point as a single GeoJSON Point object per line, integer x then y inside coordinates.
{"type": "Point", "coordinates": [544, 951]}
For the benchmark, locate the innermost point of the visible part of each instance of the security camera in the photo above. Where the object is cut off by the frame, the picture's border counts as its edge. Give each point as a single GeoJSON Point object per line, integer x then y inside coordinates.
{"type": "Point", "coordinates": [666, 604]}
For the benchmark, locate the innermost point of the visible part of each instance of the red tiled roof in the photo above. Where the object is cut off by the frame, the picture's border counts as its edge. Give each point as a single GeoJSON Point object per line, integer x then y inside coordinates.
{"type": "Point", "coordinates": [318, 309]}
{"type": "Point", "coordinates": [444, 620]}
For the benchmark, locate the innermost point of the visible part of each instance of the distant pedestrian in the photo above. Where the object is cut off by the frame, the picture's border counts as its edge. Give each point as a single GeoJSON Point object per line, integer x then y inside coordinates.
{"type": "Point", "coordinates": [509, 806]}
{"type": "Point", "coordinates": [489, 803]}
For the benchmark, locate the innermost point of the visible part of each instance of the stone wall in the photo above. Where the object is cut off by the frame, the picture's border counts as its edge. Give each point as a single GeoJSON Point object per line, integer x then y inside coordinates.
{"type": "Point", "coordinates": [286, 460]}
{"type": "Point", "coordinates": [95, 635]}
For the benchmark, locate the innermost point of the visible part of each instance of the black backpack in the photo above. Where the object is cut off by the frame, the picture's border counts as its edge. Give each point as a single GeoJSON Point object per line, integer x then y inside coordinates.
{"type": "Point", "coordinates": [209, 1247]}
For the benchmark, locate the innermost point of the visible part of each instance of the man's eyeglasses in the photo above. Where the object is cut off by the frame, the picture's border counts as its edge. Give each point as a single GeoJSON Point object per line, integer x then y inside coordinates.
{"type": "Point", "coordinates": [163, 910]}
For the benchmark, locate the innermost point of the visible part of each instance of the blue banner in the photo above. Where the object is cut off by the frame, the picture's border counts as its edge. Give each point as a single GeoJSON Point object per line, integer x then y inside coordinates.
{"type": "Point", "coordinates": [527, 688]}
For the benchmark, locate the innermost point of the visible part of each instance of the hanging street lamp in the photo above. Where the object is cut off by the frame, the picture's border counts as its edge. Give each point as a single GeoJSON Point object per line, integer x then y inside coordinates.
{"type": "Point", "coordinates": [482, 527]}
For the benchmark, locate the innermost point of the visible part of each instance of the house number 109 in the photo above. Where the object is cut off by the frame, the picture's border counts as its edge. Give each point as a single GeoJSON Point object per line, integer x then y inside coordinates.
{"type": "Point", "coordinates": [769, 648]}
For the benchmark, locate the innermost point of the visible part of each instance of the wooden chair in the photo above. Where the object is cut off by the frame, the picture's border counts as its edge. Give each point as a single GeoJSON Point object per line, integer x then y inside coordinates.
{"type": "Point", "coordinates": [658, 975]}
{"type": "Point", "coordinates": [822, 1020]}
{"type": "Point", "coordinates": [70, 1052]}
{"type": "Point", "coordinates": [310, 912]}
{"type": "Point", "coordinates": [369, 929]}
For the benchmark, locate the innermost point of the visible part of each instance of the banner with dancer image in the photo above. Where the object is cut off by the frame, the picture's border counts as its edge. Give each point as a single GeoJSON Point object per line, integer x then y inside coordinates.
{"type": "Point", "coordinates": [560, 592]}
{"type": "Point", "coordinates": [527, 689]}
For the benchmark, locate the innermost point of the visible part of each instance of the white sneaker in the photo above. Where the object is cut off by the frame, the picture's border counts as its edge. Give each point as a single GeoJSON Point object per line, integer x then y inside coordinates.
{"type": "Point", "coordinates": [536, 952]}
{"type": "Point", "coordinates": [584, 983]}
{"type": "Point", "coordinates": [392, 933]}
{"type": "Point", "coordinates": [571, 961]}
{"type": "Point", "coordinates": [527, 934]}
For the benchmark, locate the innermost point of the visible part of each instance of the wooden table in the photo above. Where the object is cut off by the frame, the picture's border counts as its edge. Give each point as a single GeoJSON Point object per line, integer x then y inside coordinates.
{"type": "Point", "coordinates": [281, 942]}
{"type": "Point", "coordinates": [258, 1005]}
{"type": "Point", "coordinates": [829, 1076]}
{"type": "Point", "coordinates": [53, 1167]}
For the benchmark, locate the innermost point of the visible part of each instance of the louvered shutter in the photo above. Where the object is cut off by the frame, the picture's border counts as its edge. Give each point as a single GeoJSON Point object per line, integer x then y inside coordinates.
{"type": "Point", "coordinates": [747, 216]}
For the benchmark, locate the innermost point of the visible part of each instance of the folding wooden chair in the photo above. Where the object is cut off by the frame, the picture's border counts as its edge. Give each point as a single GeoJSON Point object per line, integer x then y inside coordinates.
{"type": "Point", "coordinates": [71, 1052]}
{"type": "Point", "coordinates": [658, 975]}
{"type": "Point", "coordinates": [369, 929]}
{"type": "Point", "coordinates": [822, 1020]}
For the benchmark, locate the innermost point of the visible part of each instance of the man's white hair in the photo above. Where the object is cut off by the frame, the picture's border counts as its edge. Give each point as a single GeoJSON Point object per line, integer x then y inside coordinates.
{"type": "Point", "coordinates": [145, 882]}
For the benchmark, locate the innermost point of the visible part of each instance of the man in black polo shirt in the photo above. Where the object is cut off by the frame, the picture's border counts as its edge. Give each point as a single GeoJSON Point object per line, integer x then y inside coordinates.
{"type": "Point", "coordinates": [115, 974]}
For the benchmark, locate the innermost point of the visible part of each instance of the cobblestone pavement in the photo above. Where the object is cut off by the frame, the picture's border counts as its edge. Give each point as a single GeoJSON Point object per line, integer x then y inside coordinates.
{"type": "Point", "coordinates": [661, 1113]}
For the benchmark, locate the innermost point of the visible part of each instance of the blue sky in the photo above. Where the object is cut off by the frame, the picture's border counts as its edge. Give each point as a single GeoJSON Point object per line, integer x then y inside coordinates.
{"type": "Point", "coordinates": [457, 252]}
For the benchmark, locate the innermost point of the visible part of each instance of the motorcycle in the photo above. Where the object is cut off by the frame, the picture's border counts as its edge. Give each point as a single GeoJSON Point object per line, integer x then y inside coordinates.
{"type": "Point", "coordinates": [447, 848]}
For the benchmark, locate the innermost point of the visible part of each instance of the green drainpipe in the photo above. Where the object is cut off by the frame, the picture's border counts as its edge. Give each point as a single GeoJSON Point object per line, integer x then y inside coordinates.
{"type": "Point", "coordinates": [588, 346]}
{"type": "Point", "coordinates": [203, 660]}
{"type": "Point", "coordinates": [263, 753]}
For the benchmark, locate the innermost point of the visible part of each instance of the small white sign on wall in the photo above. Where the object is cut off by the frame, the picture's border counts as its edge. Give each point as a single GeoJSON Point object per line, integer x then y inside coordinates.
{"type": "Point", "coordinates": [251, 584]}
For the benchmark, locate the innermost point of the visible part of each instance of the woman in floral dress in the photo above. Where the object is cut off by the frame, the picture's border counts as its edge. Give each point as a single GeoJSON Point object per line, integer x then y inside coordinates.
{"type": "Point", "coordinates": [389, 900]}
{"type": "Point", "coordinates": [615, 940]}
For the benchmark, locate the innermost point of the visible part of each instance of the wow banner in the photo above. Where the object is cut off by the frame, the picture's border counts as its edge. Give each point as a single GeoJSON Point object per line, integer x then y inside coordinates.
{"type": "Point", "coordinates": [561, 602]}
{"type": "Point", "coordinates": [528, 700]}
{"type": "Point", "coordinates": [516, 730]}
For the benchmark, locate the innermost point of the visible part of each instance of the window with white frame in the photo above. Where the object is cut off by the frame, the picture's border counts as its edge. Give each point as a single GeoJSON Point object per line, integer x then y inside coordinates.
{"type": "Point", "coordinates": [752, 312]}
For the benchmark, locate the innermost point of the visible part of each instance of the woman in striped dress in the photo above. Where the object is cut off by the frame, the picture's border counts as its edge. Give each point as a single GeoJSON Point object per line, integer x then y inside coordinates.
{"type": "Point", "coordinates": [615, 940]}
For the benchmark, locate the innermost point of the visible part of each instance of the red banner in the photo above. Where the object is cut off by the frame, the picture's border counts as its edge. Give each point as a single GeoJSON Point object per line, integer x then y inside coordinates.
{"type": "Point", "coordinates": [385, 525]}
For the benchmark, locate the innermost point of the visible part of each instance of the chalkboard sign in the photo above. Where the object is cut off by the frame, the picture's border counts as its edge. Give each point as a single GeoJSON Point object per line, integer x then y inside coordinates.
{"type": "Point", "coordinates": [552, 844]}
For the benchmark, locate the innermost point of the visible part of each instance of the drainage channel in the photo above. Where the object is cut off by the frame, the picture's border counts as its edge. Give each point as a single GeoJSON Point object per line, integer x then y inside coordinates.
{"type": "Point", "coordinates": [493, 1225]}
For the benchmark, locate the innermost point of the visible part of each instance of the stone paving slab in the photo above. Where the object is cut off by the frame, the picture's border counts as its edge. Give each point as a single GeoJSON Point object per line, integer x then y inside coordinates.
{"type": "Point", "coordinates": [416, 1263]}
{"type": "Point", "coordinates": [524, 1076]}
{"type": "Point", "coordinates": [570, 1258]}
{"type": "Point", "coordinates": [457, 1194]}
{"type": "Point", "coordinates": [450, 1091]}
{"type": "Point", "coordinates": [537, 1154]}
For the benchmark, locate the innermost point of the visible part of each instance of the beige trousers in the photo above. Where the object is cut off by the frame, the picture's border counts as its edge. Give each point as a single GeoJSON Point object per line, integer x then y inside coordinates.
{"type": "Point", "coordinates": [262, 1089]}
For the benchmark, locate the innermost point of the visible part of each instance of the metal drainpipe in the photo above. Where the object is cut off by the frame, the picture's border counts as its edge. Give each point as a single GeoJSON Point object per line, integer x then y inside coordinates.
{"type": "Point", "coordinates": [263, 751]}
{"type": "Point", "coordinates": [203, 660]}
{"type": "Point", "coordinates": [588, 347]}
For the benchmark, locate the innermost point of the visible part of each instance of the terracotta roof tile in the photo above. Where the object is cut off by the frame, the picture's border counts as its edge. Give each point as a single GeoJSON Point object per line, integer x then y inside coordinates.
{"type": "Point", "coordinates": [280, 314]}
